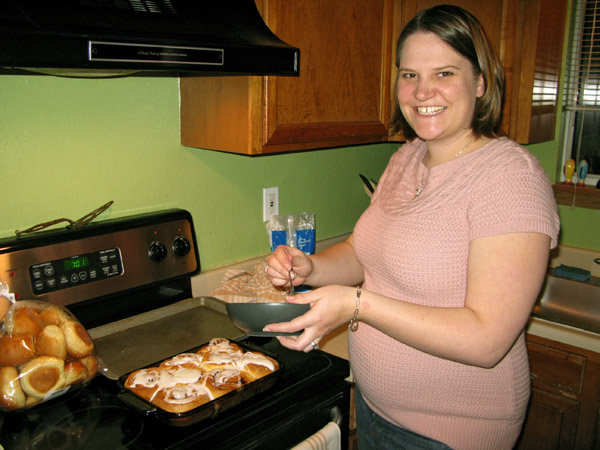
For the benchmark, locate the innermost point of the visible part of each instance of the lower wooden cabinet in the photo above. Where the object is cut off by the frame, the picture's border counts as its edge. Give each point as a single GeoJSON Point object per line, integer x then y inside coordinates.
{"type": "Point", "coordinates": [551, 422]}
{"type": "Point", "coordinates": [564, 411]}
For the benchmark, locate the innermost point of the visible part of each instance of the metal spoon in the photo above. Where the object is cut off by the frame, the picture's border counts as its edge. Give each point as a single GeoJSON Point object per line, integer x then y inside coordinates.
{"type": "Point", "coordinates": [291, 290]}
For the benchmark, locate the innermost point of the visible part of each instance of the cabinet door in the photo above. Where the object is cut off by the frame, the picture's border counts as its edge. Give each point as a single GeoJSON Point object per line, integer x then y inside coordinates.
{"type": "Point", "coordinates": [551, 422]}
{"type": "Point", "coordinates": [540, 46]}
{"type": "Point", "coordinates": [564, 410]}
{"type": "Point", "coordinates": [557, 379]}
{"type": "Point", "coordinates": [341, 94]}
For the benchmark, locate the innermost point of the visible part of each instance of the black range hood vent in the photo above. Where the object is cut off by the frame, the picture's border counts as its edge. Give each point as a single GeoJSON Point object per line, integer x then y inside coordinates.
{"type": "Point", "coordinates": [145, 37]}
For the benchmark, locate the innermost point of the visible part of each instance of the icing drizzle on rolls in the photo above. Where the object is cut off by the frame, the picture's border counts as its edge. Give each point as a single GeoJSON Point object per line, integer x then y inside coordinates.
{"type": "Point", "coordinates": [148, 378]}
{"type": "Point", "coordinates": [255, 358]}
{"type": "Point", "coordinates": [227, 377]}
{"type": "Point", "coordinates": [184, 359]}
{"type": "Point", "coordinates": [181, 394]}
{"type": "Point", "coordinates": [219, 344]}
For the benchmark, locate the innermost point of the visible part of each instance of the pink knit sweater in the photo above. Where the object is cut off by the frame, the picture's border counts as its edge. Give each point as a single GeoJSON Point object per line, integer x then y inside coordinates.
{"type": "Point", "coordinates": [416, 249]}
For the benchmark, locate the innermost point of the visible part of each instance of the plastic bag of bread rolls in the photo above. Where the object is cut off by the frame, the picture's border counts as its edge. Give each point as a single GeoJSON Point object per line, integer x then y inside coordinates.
{"type": "Point", "coordinates": [44, 352]}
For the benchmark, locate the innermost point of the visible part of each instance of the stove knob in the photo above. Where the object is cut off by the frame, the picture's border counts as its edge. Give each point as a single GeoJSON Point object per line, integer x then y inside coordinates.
{"type": "Point", "coordinates": [181, 246]}
{"type": "Point", "coordinates": [157, 251]}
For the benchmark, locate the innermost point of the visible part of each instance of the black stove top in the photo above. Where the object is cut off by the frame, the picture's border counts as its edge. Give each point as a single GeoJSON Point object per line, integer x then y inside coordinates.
{"type": "Point", "coordinates": [94, 417]}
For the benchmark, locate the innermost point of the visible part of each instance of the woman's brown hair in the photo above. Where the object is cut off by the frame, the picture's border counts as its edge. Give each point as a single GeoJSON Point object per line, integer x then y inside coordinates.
{"type": "Point", "coordinates": [463, 32]}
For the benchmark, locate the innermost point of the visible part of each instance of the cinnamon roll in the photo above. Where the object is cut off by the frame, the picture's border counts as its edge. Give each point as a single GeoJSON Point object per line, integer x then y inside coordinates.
{"type": "Point", "coordinates": [146, 382]}
{"type": "Point", "coordinates": [182, 398]}
{"type": "Point", "coordinates": [188, 360]}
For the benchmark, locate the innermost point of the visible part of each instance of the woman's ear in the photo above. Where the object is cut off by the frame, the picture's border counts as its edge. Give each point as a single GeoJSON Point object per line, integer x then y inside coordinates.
{"type": "Point", "coordinates": [480, 86]}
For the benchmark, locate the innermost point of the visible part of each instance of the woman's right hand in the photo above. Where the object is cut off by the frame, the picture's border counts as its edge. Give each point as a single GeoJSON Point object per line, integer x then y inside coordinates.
{"type": "Point", "coordinates": [285, 261]}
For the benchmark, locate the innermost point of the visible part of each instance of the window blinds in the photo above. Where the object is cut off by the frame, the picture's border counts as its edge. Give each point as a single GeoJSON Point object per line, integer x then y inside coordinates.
{"type": "Point", "coordinates": [583, 80]}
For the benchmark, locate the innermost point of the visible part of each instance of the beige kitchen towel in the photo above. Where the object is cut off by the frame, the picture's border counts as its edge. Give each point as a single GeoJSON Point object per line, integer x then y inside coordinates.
{"type": "Point", "coordinates": [327, 438]}
{"type": "Point", "coordinates": [239, 286]}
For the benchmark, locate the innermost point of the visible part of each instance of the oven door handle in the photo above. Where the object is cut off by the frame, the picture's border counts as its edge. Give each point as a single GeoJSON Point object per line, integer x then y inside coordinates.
{"type": "Point", "coordinates": [336, 415]}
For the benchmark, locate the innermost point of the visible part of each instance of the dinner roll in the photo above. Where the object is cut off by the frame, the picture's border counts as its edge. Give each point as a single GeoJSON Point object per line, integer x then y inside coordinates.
{"type": "Point", "coordinates": [11, 394]}
{"type": "Point", "coordinates": [75, 372]}
{"type": "Point", "coordinates": [16, 349]}
{"type": "Point", "coordinates": [26, 321]}
{"type": "Point", "coordinates": [42, 375]}
{"type": "Point", "coordinates": [91, 364]}
{"type": "Point", "coordinates": [51, 342]}
{"type": "Point", "coordinates": [79, 342]}
{"type": "Point", "coordinates": [53, 315]}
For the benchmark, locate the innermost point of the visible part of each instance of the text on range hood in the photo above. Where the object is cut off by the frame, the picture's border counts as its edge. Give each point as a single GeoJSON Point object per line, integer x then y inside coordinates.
{"type": "Point", "coordinates": [154, 37]}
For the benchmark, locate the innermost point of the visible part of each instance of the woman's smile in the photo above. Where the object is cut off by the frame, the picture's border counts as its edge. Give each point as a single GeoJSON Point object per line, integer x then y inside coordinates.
{"type": "Point", "coordinates": [430, 110]}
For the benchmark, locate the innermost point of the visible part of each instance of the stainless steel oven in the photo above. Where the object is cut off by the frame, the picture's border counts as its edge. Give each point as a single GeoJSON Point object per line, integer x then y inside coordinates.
{"type": "Point", "coordinates": [128, 281]}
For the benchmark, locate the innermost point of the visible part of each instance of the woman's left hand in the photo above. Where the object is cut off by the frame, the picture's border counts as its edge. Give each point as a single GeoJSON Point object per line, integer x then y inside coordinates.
{"type": "Point", "coordinates": [331, 306]}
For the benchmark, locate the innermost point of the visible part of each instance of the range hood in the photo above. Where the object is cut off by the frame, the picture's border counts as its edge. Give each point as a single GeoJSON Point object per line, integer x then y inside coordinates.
{"type": "Point", "coordinates": [144, 37]}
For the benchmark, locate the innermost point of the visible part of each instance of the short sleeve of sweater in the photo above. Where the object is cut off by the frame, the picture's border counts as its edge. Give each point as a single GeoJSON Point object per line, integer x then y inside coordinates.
{"type": "Point", "coordinates": [517, 197]}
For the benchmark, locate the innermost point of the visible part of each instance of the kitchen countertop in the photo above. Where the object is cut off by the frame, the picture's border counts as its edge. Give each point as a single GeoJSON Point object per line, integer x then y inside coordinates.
{"type": "Point", "coordinates": [564, 333]}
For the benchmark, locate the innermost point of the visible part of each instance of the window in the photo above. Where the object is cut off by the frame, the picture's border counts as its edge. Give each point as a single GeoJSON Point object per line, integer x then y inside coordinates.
{"type": "Point", "coordinates": [582, 92]}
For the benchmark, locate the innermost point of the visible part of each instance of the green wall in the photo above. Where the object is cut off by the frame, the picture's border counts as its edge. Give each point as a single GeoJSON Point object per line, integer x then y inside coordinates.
{"type": "Point", "coordinates": [580, 227]}
{"type": "Point", "coordinates": [68, 146]}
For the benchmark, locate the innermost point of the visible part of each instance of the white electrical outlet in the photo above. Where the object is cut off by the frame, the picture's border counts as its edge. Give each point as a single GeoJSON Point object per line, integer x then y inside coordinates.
{"type": "Point", "coordinates": [270, 203]}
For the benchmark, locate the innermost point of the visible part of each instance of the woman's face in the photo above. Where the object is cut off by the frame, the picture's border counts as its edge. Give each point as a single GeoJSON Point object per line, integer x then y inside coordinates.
{"type": "Point", "coordinates": [437, 89]}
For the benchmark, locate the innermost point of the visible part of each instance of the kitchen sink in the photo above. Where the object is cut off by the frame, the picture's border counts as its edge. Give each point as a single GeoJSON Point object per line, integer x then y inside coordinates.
{"type": "Point", "coordinates": [569, 302]}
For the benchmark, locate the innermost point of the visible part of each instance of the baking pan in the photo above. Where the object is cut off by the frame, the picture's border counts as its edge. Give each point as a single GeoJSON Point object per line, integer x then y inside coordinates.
{"type": "Point", "coordinates": [208, 410]}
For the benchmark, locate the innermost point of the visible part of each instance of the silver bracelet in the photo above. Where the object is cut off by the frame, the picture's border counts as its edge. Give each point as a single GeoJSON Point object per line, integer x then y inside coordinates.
{"type": "Point", "coordinates": [353, 325]}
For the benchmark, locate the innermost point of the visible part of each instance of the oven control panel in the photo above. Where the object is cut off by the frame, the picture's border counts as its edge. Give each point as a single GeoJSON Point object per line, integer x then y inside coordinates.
{"type": "Point", "coordinates": [75, 270]}
{"type": "Point", "coordinates": [104, 258]}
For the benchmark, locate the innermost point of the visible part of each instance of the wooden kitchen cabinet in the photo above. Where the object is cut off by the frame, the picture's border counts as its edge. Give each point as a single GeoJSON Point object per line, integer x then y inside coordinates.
{"type": "Point", "coordinates": [564, 410]}
{"type": "Point", "coordinates": [340, 98]}
{"type": "Point", "coordinates": [528, 37]}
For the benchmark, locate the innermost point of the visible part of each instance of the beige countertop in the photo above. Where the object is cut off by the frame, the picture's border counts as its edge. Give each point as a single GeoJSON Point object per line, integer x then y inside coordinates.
{"type": "Point", "coordinates": [565, 334]}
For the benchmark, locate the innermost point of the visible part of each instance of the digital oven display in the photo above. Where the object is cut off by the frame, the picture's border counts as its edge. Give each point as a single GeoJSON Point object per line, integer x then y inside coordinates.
{"type": "Point", "coordinates": [76, 263]}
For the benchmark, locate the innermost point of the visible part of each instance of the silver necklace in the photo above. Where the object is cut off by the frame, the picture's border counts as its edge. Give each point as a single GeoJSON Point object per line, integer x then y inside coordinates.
{"type": "Point", "coordinates": [420, 187]}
